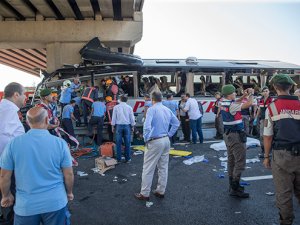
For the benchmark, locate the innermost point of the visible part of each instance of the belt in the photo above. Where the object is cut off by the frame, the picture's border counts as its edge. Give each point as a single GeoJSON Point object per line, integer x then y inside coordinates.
{"type": "Point", "coordinates": [156, 138]}
{"type": "Point", "coordinates": [233, 131]}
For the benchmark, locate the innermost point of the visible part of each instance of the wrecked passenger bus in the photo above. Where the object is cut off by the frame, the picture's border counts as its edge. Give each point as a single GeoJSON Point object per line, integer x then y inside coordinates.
{"type": "Point", "coordinates": [200, 78]}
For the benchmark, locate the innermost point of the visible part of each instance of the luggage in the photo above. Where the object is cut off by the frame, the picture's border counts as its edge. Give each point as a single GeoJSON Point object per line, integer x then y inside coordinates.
{"type": "Point", "coordinates": [107, 149]}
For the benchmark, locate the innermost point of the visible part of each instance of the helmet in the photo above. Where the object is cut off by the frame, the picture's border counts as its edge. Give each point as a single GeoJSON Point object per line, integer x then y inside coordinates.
{"type": "Point", "coordinates": [108, 82]}
{"type": "Point", "coordinates": [67, 83]}
{"type": "Point", "coordinates": [108, 98]}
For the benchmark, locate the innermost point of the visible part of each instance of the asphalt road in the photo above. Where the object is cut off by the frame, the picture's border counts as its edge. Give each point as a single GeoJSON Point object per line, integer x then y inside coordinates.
{"type": "Point", "coordinates": [195, 194]}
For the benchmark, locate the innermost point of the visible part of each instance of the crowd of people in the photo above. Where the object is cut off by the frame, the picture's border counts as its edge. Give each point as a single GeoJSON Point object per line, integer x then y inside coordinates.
{"type": "Point", "coordinates": [41, 164]}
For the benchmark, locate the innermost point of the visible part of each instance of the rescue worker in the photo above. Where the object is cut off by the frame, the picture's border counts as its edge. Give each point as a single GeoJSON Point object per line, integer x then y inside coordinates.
{"type": "Point", "coordinates": [263, 104]}
{"type": "Point", "coordinates": [97, 118]}
{"type": "Point", "coordinates": [218, 119]}
{"type": "Point", "coordinates": [67, 117]}
{"type": "Point", "coordinates": [66, 94]}
{"type": "Point", "coordinates": [234, 136]}
{"type": "Point", "coordinates": [110, 104]}
{"type": "Point", "coordinates": [281, 133]}
{"type": "Point", "coordinates": [112, 90]}
{"type": "Point", "coordinates": [90, 94]}
{"type": "Point", "coordinates": [75, 86]}
{"type": "Point", "coordinates": [46, 100]}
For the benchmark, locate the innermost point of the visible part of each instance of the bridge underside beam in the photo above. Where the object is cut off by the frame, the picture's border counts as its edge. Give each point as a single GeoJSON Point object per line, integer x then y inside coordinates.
{"type": "Point", "coordinates": [114, 33]}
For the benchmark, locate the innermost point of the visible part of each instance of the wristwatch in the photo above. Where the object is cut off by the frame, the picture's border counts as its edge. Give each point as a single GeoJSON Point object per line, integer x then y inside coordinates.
{"type": "Point", "coordinates": [266, 157]}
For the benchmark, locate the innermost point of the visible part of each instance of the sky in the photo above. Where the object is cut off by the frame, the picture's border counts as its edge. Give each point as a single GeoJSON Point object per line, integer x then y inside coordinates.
{"type": "Point", "coordinates": [211, 29]}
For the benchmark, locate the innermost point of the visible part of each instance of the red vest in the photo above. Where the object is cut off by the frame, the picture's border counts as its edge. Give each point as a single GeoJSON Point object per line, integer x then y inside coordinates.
{"type": "Point", "coordinates": [285, 115]}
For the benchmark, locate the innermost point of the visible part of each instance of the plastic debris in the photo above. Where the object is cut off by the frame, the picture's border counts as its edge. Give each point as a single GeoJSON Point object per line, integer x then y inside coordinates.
{"type": "Point", "coordinates": [194, 159]}
{"type": "Point", "coordinates": [81, 173]}
{"type": "Point", "coordinates": [254, 160]}
{"type": "Point", "coordinates": [102, 174]}
{"type": "Point", "coordinates": [188, 157]}
{"type": "Point", "coordinates": [176, 156]}
{"type": "Point", "coordinates": [237, 212]}
{"type": "Point", "coordinates": [124, 180]}
{"type": "Point", "coordinates": [138, 153]}
{"type": "Point", "coordinates": [149, 204]}
{"type": "Point", "coordinates": [247, 167]}
{"type": "Point", "coordinates": [214, 170]}
{"type": "Point", "coordinates": [133, 174]}
{"type": "Point", "coordinates": [96, 170]}
{"type": "Point", "coordinates": [115, 180]}
{"type": "Point", "coordinates": [270, 193]}
{"type": "Point", "coordinates": [244, 184]}
{"type": "Point", "coordinates": [224, 164]}
{"type": "Point", "coordinates": [223, 159]}
{"type": "Point", "coordinates": [115, 177]}
{"type": "Point", "coordinates": [205, 160]}
{"type": "Point", "coordinates": [221, 176]}
{"type": "Point", "coordinates": [251, 142]}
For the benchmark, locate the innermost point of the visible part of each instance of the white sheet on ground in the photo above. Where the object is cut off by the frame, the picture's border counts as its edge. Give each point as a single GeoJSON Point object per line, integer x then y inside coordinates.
{"type": "Point", "coordinates": [251, 142]}
{"type": "Point", "coordinates": [194, 159]}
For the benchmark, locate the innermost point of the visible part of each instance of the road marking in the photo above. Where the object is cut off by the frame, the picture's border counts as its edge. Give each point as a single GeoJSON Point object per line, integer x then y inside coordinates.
{"type": "Point", "coordinates": [257, 178]}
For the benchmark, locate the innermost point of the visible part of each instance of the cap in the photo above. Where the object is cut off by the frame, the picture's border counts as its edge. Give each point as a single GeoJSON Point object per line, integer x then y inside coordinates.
{"type": "Point", "coordinates": [228, 89]}
{"type": "Point", "coordinates": [282, 79]}
{"type": "Point", "coordinates": [45, 92]}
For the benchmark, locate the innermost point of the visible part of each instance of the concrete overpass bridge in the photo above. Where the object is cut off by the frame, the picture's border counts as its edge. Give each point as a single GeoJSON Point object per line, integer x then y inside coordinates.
{"type": "Point", "coordinates": [46, 34]}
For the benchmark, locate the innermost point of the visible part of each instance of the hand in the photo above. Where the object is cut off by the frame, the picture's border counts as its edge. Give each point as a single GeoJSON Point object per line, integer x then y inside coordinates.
{"type": "Point", "coordinates": [7, 201]}
{"type": "Point", "coordinates": [70, 197]}
{"type": "Point", "coordinates": [267, 163]}
{"type": "Point", "coordinates": [113, 129]}
{"type": "Point", "coordinates": [132, 129]}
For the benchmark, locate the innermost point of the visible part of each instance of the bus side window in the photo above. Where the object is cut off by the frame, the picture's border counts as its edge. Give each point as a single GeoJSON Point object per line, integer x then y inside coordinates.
{"type": "Point", "coordinates": [206, 85]}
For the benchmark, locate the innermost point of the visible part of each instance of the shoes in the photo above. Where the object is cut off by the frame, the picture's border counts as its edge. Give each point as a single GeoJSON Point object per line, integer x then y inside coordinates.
{"type": "Point", "coordinates": [158, 195]}
{"type": "Point", "coordinates": [141, 197]}
{"type": "Point", "coordinates": [237, 191]}
{"type": "Point", "coordinates": [128, 161]}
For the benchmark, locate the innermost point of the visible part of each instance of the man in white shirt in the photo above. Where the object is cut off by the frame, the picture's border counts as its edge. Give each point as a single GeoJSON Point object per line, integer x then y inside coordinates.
{"type": "Point", "coordinates": [195, 116]}
{"type": "Point", "coordinates": [10, 124]}
{"type": "Point", "coordinates": [10, 127]}
{"type": "Point", "coordinates": [123, 123]}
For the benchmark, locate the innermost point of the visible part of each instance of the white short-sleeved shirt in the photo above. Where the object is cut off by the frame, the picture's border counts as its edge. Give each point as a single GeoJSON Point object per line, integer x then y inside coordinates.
{"type": "Point", "coordinates": [10, 124]}
{"type": "Point", "coordinates": [192, 108]}
{"type": "Point", "coordinates": [268, 124]}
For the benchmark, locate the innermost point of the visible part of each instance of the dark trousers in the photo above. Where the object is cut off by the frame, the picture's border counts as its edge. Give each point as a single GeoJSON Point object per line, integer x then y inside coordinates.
{"type": "Point", "coordinates": [196, 126]}
{"type": "Point", "coordinates": [123, 132]}
{"type": "Point", "coordinates": [185, 126]}
{"type": "Point", "coordinates": [110, 133]}
{"type": "Point", "coordinates": [77, 115]}
{"type": "Point", "coordinates": [86, 108]}
{"type": "Point", "coordinates": [97, 120]}
{"type": "Point", "coordinates": [68, 127]}
{"type": "Point", "coordinates": [7, 213]}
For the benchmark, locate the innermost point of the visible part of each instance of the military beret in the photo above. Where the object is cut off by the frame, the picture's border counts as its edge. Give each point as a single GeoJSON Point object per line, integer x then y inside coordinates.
{"type": "Point", "coordinates": [282, 79]}
{"type": "Point", "coordinates": [45, 92]}
{"type": "Point", "coordinates": [228, 89]}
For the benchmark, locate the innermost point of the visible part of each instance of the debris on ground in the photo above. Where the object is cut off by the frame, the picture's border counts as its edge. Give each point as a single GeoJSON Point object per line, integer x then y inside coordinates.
{"type": "Point", "coordinates": [194, 159]}
{"type": "Point", "coordinates": [221, 176]}
{"type": "Point", "coordinates": [270, 193]}
{"type": "Point", "coordinates": [138, 152]}
{"type": "Point", "coordinates": [149, 204]}
{"type": "Point", "coordinates": [81, 173]}
{"type": "Point", "coordinates": [237, 212]}
{"type": "Point", "coordinates": [104, 164]}
{"type": "Point", "coordinates": [251, 142]}
{"type": "Point", "coordinates": [244, 184]}
{"type": "Point", "coordinates": [254, 160]}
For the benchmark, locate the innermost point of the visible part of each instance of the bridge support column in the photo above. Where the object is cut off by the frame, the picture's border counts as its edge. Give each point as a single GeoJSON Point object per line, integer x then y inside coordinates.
{"type": "Point", "coordinates": [60, 53]}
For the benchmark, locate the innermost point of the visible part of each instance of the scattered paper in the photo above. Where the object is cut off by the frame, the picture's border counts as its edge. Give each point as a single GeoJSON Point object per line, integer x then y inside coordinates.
{"type": "Point", "coordinates": [224, 164]}
{"type": "Point", "coordinates": [194, 159]}
{"type": "Point", "coordinates": [251, 142]}
{"type": "Point", "coordinates": [133, 174]}
{"type": "Point", "coordinates": [81, 173]}
{"type": "Point", "coordinates": [96, 170]}
{"type": "Point", "coordinates": [138, 152]}
{"type": "Point", "coordinates": [223, 159]}
{"type": "Point", "coordinates": [237, 212]}
{"type": "Point", "coordinates": [254, 160]}
{"type": "Point", "coordinates": [270, 193]}
{"type": "Point", "coordinates": [149, 204]}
